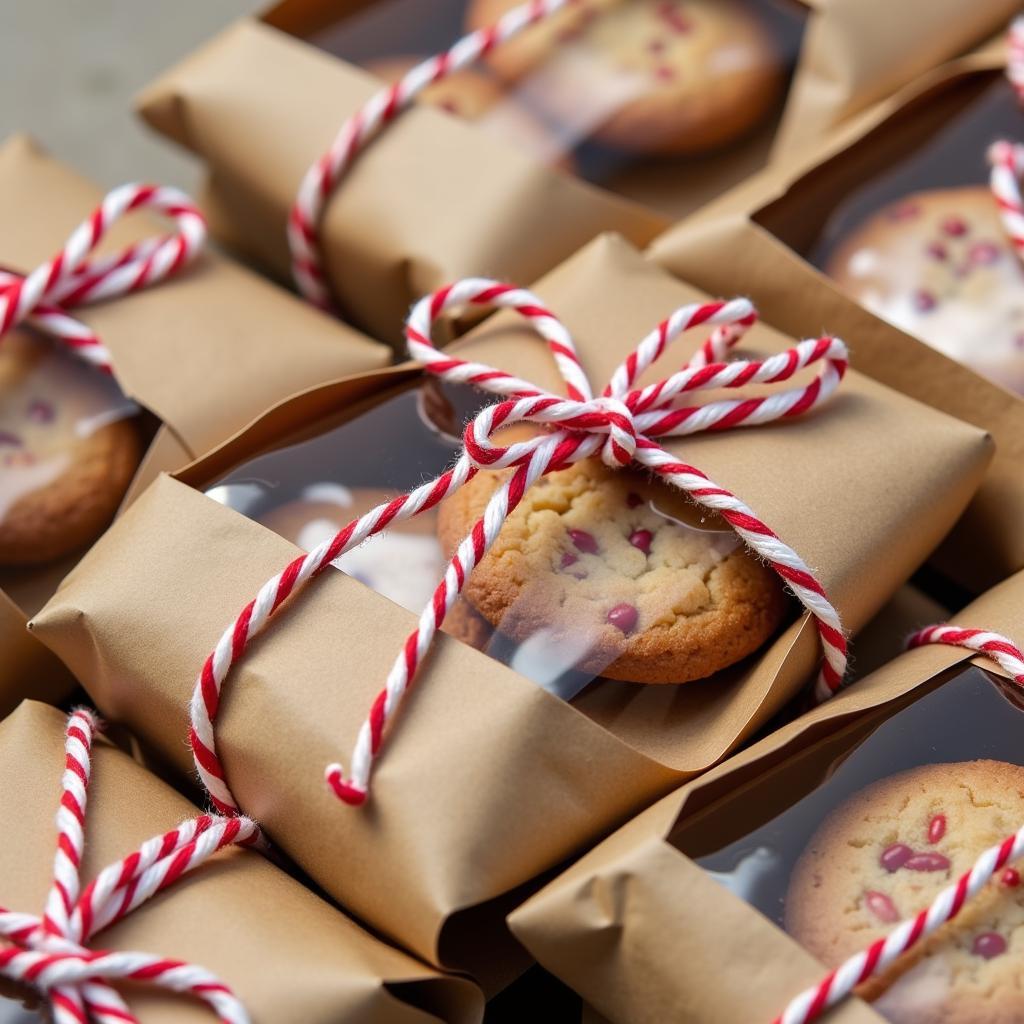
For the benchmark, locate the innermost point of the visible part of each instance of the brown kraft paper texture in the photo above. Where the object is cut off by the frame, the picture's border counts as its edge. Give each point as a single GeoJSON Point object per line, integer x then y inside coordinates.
{"type": "Point", "coordinates": [289, 956]}
{"type": "Point", "coordinates": [205, 351]}
{"type": "Point", "coordinates": [429, 201]}
{"type": "Point", "coordinates": [487, 780]}
{"type": "Point", "coordinates": [742, 234]}
{"type": "Point", "coordinates": [643, 933]}
{"type": "Point", "coordinates": [843, 64]}
{"type": "Point", "coordinates": [434, 199]}
{"type": "Point", "coordinates": [857, 52]}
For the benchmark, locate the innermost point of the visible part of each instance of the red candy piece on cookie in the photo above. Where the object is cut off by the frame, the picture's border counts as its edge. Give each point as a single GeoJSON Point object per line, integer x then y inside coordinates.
{"type": "Point", "coordinates": [936, 828]}
{"type": "Point", "coordinates": [989, 945]}
{"type": "Point", "coordinates": [882, 907]}
{"type": "Point", "coordinates": [624, 617]}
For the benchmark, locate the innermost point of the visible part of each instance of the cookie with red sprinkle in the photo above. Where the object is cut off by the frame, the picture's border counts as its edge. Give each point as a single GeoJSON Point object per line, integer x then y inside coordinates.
{"type": "Point", "coordinates": [939, 265]}
{"type": "Point", "coordinates": [653, 76]}
{"type": "Point", "coordinates": [884, 855]}
{"type": "Point", "coordinates": [621, 567]}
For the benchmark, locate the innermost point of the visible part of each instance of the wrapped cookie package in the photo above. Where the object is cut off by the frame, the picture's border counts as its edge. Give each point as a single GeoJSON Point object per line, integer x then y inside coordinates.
{"type": "Point", "coordinates": [586, 720]}
{"type": "Point", "coordinates": [599, 573]}
{"type": "Point", "coordinates": [605, 116]}
{"type": "Point", "coordinates": [226, 917]}
{"type": "Point", "coordinates": [647, 99]}
{"type": "Point", "coordinates": [899, 215]}
{"type": "Point", "coordinates": [76, 433]}
{"type": "Point", "coordinates": [824, 835]}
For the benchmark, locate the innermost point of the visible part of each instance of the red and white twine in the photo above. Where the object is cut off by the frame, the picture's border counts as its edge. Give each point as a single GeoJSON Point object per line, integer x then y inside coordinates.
{"type": "Point", "coordinates": [50, 953]}
{"type": "Point", "coordinates": [44, 297]}
{"type": "Point", "coordinates": [620, 425]}
{"type": "Point", "coordinates": [1007, 166]}
{"type": "Point", "coordinates": [874, 960]}
{"type": "Point", "coordinates": [1007, 158]}
{"type": "Point", "coordinates": [320, 181]}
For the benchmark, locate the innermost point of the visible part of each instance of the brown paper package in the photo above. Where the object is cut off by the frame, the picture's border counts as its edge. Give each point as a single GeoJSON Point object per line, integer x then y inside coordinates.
{"type": "Point", "coordinates": [430, 201]}
{"type": "Point", "coordinates": [742, 234]}
{"type": "Point", "coordinates": [434, 199]}
{"type": "Point", "coordinates": [488, 780]}
{"type": "Point", "coordinates": [289, 956]}
{"type": "Point", "coordinates": [845, 63]}
{"type": "Point", "coordinates": [205, 352]}
{"type": "Point", "coordinates": [639, 930]}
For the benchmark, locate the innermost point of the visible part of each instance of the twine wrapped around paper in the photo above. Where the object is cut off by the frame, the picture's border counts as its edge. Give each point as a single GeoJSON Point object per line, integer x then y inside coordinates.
{"type": "Point", "coordinates": [324, 176]}
{"type": "Point", "coordinates": [839, 983]}
{"type": "Point", "coordinates": [50, 953]}
{"type": "Point", "coordinates": [44, 297]}
{"type": "Point", "coordinates": [619, 425]}
{"type": "Point", "coordinates": [1007, 158]}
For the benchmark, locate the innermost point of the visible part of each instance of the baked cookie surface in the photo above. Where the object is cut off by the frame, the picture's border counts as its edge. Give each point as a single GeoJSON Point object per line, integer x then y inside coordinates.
{"type": "Point", "coordinates": [619, 566]}
{"type": "Point", "coordinates": [69, 446]}
{"type": "Point", "coordinates": [884, 855]}
{"type": "Point", "coordinates": [656, 76]}
{"type": "Point", "coordinates": [938, 264]}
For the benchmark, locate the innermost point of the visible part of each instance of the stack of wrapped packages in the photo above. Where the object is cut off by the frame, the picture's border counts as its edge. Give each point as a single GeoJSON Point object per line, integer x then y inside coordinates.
{"type": "Point", "coordinates": [567, 557]}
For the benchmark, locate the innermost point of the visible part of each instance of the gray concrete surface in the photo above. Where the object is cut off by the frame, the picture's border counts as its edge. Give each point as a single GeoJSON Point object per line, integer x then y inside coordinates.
{"type": "Point", "coordinates": [69, 70]}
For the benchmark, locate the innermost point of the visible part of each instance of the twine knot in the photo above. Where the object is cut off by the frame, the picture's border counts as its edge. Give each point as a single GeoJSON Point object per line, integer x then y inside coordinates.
{"type": "Point", "coordinates": [50, 953]}
{"type": "Point", "coordinates": [44, 297]}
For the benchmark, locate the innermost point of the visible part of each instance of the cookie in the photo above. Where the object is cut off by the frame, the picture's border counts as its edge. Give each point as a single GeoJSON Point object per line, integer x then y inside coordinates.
{"type": "Point", "coordinates": [405, 564]}
{"type": "Point", "coordinates": [622, 569]}
{"type": "Point", "coordinates": [478, 97]}
{"type": "Point", "coordinates": [884, 855]}
{"type": "Point", "coordinates": [68, 450]}
{"type": "Point", "coordinates": [938, 265]}
{"type": "Point", "coordinates": [653, 76]}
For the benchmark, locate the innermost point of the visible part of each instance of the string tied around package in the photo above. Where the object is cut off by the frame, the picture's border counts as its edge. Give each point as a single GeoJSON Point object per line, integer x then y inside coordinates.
{"type": "Point", "coordinates": [324, 176]}
{"type": "Point", "coordinates": [1006, 159]}
{"type": "Point", "coordinates": [45, 297]}
{"type": "Point", "coordinates": [50, 953]}
{"type": "Point", "coordinates": [621, 425]}
{"type": "Point", "coordinates": [876, 958]}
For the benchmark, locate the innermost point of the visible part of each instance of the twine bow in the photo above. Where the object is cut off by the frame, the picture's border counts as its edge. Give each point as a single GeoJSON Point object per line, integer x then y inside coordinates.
{"type": "Point", "coordinates": [874, 960]}
{"type": "Point", "coordinates": [50, 953]}
{"type": "Point", "coordinates": [620, 425]}
{"type": "Point", "coordinates": [324, 176]}
{"type": "Point", "coordinates": [44, 297]}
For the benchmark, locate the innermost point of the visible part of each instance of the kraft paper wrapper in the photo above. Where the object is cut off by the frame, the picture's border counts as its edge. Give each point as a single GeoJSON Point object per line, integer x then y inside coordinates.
{"type": "Point", "coordinates": [431, 200]}
{"type": "Point", "coordinates": [845, 64]}
{"type": "Point", "coordinates": [205, 351]}
{"type": "Point", "coordinates": [643, 934]}
{"type": "Point", "coordinates": [289, 956]}
{"type": "Point", "coordinates": [487, 780]}
{"type": "Point", "coordinates": [857, 52]}
{"type": "Point", "coordinates": [736, 238]}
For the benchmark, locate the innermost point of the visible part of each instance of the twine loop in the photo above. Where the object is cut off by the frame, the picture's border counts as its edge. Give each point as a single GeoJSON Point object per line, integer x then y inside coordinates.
{"type": "Point", "coordinates": [50, 952]}
{"type": "Point", "coordinates": [44, 297]}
